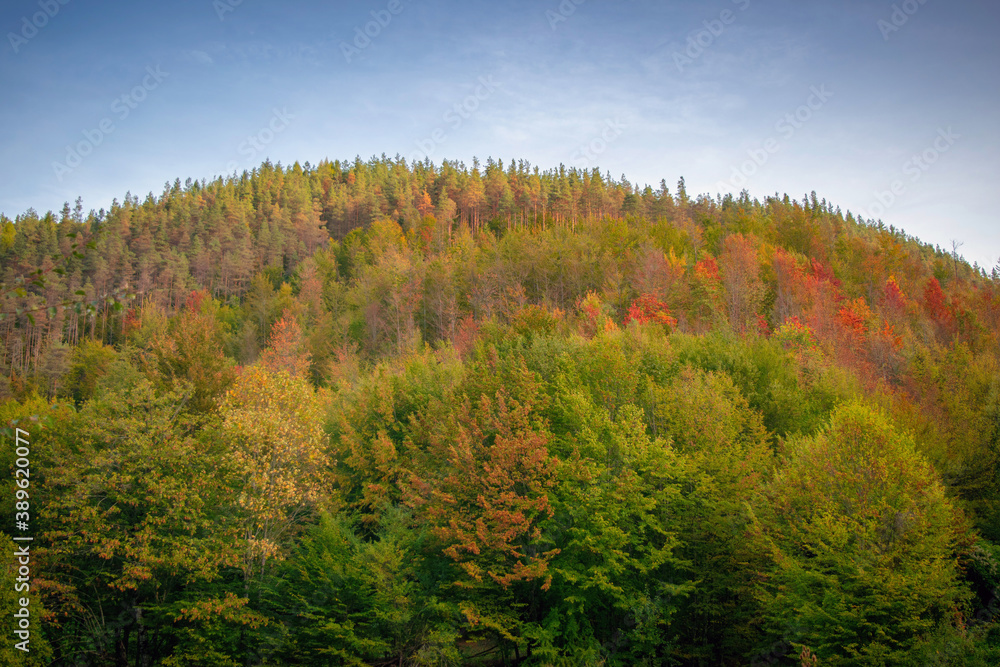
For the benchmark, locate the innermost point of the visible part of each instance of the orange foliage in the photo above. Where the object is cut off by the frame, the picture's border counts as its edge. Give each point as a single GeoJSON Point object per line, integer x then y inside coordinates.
{"type": "Point", "coordinates": [647, 308]}
{"type": "Point", "coordinates": [894, 297]}
{"type": "Point", "coordinates": [466, 334]}
{"type": "Point", "coordinates": [488, 506]}
{"type": "Point", "coordinates": [889, 334]}
{"type": "Point", "coordinates": [424, 205]}
{"type": "Point", "coordinates": [286, 349]}
{"type": "Point", "coordinates": [707, 269]}
{"type": "Point", "coordinates": [854, 315]}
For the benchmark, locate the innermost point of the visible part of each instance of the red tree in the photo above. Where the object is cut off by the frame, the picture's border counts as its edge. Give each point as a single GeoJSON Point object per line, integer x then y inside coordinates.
{"type": "Point", "coordinates": [936, 302]}
{"type": "Point", "coordinates": [647, 308]}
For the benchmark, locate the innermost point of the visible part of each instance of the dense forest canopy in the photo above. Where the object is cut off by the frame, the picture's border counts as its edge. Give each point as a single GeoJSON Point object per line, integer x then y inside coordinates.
{"type": "Point", "coordinates": [379, 413]}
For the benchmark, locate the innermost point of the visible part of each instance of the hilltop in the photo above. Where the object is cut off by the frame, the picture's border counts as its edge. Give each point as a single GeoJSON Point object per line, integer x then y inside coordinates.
{"type": "Point", "coordinates": [382, 411]}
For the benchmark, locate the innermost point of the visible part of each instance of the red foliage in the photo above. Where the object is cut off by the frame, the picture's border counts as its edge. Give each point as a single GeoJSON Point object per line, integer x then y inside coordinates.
{"type": "Point", "coordinates": [823, 273]}
{"type": "Point", "coordinates": [647, 308]}
{"type": "Point", "coordinates": [936, 303]}
{"type": "Point", "coordinates": [592, 318]}
{"type": "Point", "coordinates": [895, 300]}
{"type": "Point", "coordinates": [707, 268]}
{"type": "Point", "coordinates": [853, 316]}
{"type": "Point", "coordinates": [808, 292]}
{"type": "Point", "coordinates": [195, 299]}
{"type": "Point", "coordinates": [591, 310]}
{"type": "Point", "coordinates": [133, 321]}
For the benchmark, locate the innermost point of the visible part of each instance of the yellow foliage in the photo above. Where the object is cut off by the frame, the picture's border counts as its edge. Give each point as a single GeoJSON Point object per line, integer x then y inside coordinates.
{"type": "Point", "coordinates": [274, 424]}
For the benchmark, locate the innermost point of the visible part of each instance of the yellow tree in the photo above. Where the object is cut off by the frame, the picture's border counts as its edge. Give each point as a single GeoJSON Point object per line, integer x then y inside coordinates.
{"type": "Point", "coordinates": [273, 424]}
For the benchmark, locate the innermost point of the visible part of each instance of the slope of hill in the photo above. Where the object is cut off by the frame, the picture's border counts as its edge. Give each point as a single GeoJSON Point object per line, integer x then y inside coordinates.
{"type": "Point", "coordinates": [363, 413]}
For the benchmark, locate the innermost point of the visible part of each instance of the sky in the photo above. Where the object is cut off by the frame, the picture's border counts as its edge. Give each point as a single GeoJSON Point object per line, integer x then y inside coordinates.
{"type": "Point", "coordinates": [886, 109]}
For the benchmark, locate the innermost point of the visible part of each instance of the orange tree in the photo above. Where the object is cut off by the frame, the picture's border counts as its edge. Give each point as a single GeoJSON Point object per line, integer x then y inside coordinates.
{"type": "Point", "coordinates": [482, 484]}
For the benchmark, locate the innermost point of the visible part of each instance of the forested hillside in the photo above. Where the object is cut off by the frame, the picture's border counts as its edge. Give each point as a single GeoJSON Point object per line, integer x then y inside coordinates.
{"type": "Point", "coordinates": [379, 413]}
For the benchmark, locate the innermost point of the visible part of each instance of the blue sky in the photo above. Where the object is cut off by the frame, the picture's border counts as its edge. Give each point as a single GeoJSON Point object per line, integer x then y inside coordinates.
{"type": "Point", "coordinates": [881, 107]}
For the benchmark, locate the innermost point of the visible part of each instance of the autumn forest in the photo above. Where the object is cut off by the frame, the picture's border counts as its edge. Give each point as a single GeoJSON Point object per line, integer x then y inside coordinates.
{"type": "Point", "coordinates": [391, 413]}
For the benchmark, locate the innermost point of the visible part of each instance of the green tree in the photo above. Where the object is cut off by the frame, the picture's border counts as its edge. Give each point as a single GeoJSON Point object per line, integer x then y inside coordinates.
{"type": "Point", "coordinates": [346, 600]}
{"type": "Point", "coordinates": [617, 580]}
{"type": "Point", "coordinates": [863, 540]}
{"type": "Point", "coordinates": [724, 442]}
{"type": "Point", "coordinates": [132, 542]}
{"type": "Point", "coordinates": [90, 360]}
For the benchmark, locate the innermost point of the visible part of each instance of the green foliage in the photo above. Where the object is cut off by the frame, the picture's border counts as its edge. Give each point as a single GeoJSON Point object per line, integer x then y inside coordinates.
{"type": "Point", "coordinates": [725, 443]}
{"type": "Point", "coordinates": [793, 393]}
{"type": "Point", "coordinates": [371, 427]}
{"type": "Point", "coordinates": [90, 361]}
{"type": "Point", "coordinates": [616, 581]}
{"type": "Point", "coordinates": [129, 519]}
{"type": "Point", "coordinates": [348, 601]}
{"type": "Point", "coordinates": [863, 541]}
